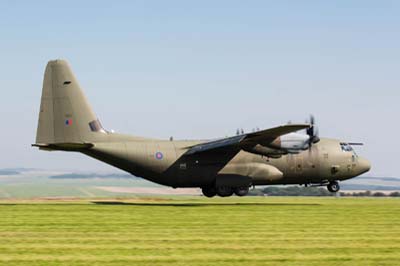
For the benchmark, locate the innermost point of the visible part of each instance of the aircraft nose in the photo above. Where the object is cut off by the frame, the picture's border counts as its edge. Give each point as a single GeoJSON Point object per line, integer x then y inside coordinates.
{"type": "Point", "coordinates": [363, 165]}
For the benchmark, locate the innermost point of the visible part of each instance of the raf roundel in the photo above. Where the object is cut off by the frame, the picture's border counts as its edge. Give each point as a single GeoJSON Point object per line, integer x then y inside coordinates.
{"type": "Point", "coordinates": [159, 155]}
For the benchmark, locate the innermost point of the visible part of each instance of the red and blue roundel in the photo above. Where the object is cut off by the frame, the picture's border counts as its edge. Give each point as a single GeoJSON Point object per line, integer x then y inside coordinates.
{"type": "Point", "coordinates": [159, 155]}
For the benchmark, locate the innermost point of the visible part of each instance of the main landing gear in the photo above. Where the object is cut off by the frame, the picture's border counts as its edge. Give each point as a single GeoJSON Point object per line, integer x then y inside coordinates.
{"type": "Point", "coordinates": [225, 191]}
{"type": "Point", "coordinates": [209, 192]}
{"type": "Point", "coordinates": [333, 186]}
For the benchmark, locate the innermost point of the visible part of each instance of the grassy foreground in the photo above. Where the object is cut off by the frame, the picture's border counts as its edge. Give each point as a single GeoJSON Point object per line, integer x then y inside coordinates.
{"type": "Point", "coordinates": [196, 231]}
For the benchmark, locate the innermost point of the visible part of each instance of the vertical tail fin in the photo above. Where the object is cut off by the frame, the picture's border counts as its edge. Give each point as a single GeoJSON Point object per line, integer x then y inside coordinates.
{"type": "Point", "coordinates": [65, 115]}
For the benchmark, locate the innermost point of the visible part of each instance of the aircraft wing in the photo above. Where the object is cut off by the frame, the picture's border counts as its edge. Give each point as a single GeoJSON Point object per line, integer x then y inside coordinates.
{"type": "Point", "coordinates": [260, 137]}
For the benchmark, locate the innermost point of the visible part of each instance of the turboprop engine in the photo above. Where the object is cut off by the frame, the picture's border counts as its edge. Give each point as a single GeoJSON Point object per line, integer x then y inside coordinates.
{"type": "Point", "coordinates": [295, 142]}
{"type": "Point", "coordinates": [292, 143]}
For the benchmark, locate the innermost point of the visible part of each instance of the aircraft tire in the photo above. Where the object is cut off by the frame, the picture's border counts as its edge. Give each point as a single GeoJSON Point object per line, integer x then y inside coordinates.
{"type": "Point", "coordinates": [209, 192]}
{"type": "Point", "coordinates": [241, 191]}
{"type": "Point", "coordinates": [224, 191]}
{"type": "Point", "coordinates": [333, 187]}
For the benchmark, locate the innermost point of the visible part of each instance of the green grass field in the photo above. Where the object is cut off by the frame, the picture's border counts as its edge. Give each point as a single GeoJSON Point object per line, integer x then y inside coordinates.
{"type": "Point", "coordinates": [197, 231]}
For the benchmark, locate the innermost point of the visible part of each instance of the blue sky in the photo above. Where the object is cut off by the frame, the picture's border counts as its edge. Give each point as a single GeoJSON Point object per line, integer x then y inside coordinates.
{"type": "Point", "coordinates": [201, 69]}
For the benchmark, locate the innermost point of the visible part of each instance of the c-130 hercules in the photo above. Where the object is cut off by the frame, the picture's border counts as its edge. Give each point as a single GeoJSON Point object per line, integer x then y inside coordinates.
{"type": "Point", "coordinates": [219, 167]}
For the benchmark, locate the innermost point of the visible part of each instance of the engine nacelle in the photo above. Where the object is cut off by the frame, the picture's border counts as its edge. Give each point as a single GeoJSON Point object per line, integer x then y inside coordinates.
{"type": "Point", "coordinates": [265, 151]}
{"type": "Point", "coordinates": [292, 143]}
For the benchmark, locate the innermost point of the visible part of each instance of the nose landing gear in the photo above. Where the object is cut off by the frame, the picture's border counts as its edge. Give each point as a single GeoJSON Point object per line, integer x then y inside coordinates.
{"type": "Point", "coordinates": [333, 186]}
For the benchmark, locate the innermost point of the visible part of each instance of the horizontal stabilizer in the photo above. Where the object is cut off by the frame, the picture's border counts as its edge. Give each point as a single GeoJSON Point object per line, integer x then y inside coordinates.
{"type": "Point", "coordinates": [64, 146]}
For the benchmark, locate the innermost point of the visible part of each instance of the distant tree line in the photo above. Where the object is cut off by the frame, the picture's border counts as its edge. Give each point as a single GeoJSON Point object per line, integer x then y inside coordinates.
{"type": "Point", "coordinates": [370, 194]}
{"type": "Point", "coordinates": [290, 191]}
{"type": "Point", "coordinates": [314, 192]}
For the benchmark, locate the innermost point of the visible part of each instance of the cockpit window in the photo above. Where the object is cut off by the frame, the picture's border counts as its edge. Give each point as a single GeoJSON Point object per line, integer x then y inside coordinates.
{"type": "Point", "coordinates": [346, 147]}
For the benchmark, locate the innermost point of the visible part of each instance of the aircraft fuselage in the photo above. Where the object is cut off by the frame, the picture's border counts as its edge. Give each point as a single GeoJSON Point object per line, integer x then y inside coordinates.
{"type": "Point", "coordinates": [164, 162]}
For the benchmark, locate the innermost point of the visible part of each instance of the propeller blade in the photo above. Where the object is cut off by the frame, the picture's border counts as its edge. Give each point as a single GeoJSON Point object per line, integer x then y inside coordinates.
{"type": "Point", "coordinates": [312, 120]}
{"type": "Point", "coordinates": [312, 133]}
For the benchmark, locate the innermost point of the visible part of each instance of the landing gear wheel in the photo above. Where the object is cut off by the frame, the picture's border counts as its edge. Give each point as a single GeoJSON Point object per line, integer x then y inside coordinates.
{"type": "Point", "coordinates": [224, 191]}
{"type": "Point", "coordinates": [333, 187]}
{"type": "Point", "coordinates": [241, 191]}
{"type": "Point", "coordinates": [209, 192]}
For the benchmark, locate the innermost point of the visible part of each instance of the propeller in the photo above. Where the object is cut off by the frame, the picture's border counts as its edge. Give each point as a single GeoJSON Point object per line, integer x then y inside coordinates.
{"type": "Point", "coordinates": [312, 132]}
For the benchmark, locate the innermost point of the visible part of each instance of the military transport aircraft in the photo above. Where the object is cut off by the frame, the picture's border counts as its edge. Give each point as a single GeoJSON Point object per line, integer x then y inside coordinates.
{"type": "Point", "coordinates": [220, 167]}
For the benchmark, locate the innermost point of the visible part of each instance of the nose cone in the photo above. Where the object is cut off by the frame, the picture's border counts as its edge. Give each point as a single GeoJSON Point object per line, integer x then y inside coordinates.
{"type": "Point", "coordinates": [363, 166]}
